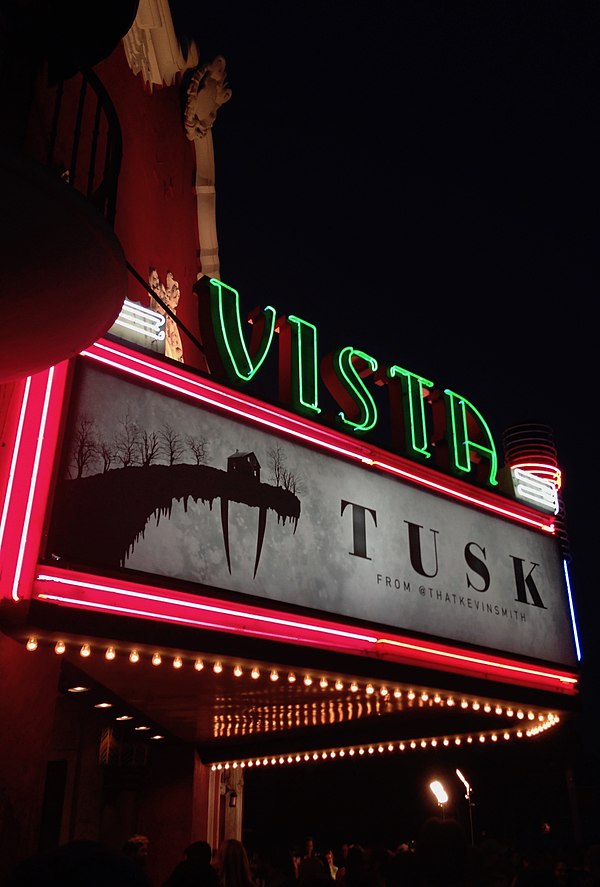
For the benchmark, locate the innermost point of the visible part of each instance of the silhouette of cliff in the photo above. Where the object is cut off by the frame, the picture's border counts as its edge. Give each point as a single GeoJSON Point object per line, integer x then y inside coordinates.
{"type": "Point", "coordinates": [99, 518]}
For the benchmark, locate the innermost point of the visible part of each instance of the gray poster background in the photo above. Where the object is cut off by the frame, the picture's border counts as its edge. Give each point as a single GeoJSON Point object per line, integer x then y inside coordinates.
{"type": "Point", "coordinates": [314, 566]}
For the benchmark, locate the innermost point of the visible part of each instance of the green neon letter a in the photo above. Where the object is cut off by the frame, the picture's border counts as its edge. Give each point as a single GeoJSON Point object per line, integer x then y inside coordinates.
{"type": "Point", "coordinates": [469, 436]}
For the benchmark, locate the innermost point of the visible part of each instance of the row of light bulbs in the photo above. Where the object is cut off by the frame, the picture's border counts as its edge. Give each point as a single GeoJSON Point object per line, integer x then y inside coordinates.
{"type": "Point", "coordinates": [422, 698]}
{"type": "Point", "coordinates": [551, 720]}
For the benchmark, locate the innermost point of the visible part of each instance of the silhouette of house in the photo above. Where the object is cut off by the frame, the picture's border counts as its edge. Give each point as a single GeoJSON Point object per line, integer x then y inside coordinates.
{"type": "Point", "coordinates": [245, 464]}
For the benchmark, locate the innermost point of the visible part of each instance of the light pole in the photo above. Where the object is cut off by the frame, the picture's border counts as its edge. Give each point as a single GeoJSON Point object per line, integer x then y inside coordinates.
{"type": "Point", "coordinates": [469, 802]}
{"type": "Point", "coordinates": [440, 794]}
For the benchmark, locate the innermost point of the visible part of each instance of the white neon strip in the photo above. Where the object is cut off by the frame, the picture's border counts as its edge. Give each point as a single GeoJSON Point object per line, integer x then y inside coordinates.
{"type": "Point", "coordinates": [32, 485]}
{"type": "Point", "coordinates": [272, 620]}
{"type": "Point", "coordinates": [241, 406]}
{"type": "Point", "coordinates": [150, 331]}
{"type": "Point", "coordinates": [531, 487]}
{"type": "Point", "coordinates": [141, 320]}
{"type": "Point", "coordinates": [434, 485]}
{"type": "Point", "coordinates": [223, 611]}
{"type": "Point", "coordinates": [572, 611]}
{"type": "Point", "coordinates": [542, 469]}
{"type": "Point", "coordinates": [487, 662]}
{"type": "Point", "coordinates": [144, 313]}
{"type": "Point", "coordinates": [15, 456]}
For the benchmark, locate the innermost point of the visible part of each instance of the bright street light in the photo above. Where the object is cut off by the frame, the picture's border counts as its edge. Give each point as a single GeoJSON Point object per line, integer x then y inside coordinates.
{"type": "Point", "coordinates": [440, 793]}
{"type": "Point", "coordinates": [469, 802]}
{"type": "Point", "coordinates": [465, 783]}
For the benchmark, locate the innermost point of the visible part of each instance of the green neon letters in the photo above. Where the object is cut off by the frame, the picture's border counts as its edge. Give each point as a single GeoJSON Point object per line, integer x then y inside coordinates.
{"type": "Point", "coordinates": [298, 370]}
{"type": "Point", "coordinates": [420, 417]}
{"type": "Point", "coordinates": [462, 418]}
{"type": "Point", "coordinates": [223, 337]}
{"type": "Point", "coordinates": [413, 391]}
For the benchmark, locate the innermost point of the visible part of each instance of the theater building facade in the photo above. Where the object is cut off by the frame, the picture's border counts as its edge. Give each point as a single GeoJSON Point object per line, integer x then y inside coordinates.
{"type": "Point", "coordinates": [220, 548]}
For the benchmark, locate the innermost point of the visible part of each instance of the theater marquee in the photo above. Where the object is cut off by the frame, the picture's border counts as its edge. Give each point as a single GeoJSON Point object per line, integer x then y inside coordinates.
{"type": "Point", "coordinates": [229, 505]}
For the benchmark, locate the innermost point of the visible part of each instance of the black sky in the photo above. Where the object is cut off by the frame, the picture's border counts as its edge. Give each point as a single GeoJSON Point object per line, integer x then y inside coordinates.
{"type": "Point", "coordinates": [420, 180]}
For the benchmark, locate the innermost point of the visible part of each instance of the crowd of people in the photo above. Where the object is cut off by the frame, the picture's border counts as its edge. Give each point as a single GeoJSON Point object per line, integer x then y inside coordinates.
{"type": "Point", "coordinates": [441, 856]}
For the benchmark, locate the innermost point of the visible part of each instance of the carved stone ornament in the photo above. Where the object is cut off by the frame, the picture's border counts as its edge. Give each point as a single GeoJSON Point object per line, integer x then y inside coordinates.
{"type": "Point", "coordinates": [208, 90]}
{"type": "Point", "coordinates": [152, 47]}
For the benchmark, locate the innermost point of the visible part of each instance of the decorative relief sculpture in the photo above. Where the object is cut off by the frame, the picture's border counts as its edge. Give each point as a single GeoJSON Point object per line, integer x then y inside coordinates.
{"type": "Point", "coordinates": [207, 91]}
{"type": "Point", "coordinates": [152, 47]}
{"type": "Point", "coordinates": [168, 293]}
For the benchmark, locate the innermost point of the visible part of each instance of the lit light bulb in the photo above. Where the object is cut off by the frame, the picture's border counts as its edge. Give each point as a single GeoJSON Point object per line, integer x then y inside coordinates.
{"type": "Point", "coordinates": [307, 680]}
{"type": "Point", "coordinates": [237, 671]}
{"type": "Point", "coordinates": [370, 689]}
{"type": "Point", "coordinates": [218, 667]}
{"type": "Point", "coordinates": [274, 675]}
{"type": "Point", "coordinates": [439, 791]}
{"type": "Point", "coordinates": [292, 678]}
{"type": "Point", "coordinates": [339, 685]}
{"type": "Point", "coordinates": [323, 683]}
{"type": "Point", "coordinates": [60, 647]}
{"type": "Point", "coordinates": [156, 659]}
{"type": "Point", "coordinates": [353, 687]}
{"type": "Point", "coordinates": [255, 673]}
{"type": "Point", "coordinates": [178, 662]}
{"type": "Point", "coordinates": [110, 653]}
{"type": "Point", "coordinates": [134, 656]}
{"type": "Point", "coordinates": [85, 650]}
{"type": "Point", "coordinates": [198, 665]}
{"type": "Point", "coordinates": [32, 644]}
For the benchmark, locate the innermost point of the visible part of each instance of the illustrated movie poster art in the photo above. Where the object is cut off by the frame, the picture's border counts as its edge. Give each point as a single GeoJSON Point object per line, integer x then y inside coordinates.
{"type": "Point", "coordinates": [157, 484]}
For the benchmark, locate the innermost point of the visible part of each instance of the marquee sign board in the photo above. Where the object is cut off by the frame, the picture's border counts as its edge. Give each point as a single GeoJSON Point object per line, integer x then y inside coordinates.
{"type": "Point", "coordinates": [225, 504]}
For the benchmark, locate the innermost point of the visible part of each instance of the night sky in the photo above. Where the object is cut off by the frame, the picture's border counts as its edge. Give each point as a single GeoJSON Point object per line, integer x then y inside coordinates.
{"type": "Point", "coordinates": [420, 180]}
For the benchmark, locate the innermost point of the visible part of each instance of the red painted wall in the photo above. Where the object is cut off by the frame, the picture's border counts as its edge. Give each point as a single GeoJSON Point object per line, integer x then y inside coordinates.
{"type": "Point", "coordinates": [156, 220]}
{"type": "Point", "coordinates": [27, 699]}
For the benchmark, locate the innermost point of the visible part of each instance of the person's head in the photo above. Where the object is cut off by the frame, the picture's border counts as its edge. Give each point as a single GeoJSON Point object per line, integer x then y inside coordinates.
{"type": "Point", "coordinates": [328, 857]}
{"type": "Point", "coordinates": [199, 851]}
{"type": "Point", "coordinates": [233, 864]}
{"type": "Point", "coordinates": [309, 846]}
{"type": "Point", "coordinates": [137, 848]}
